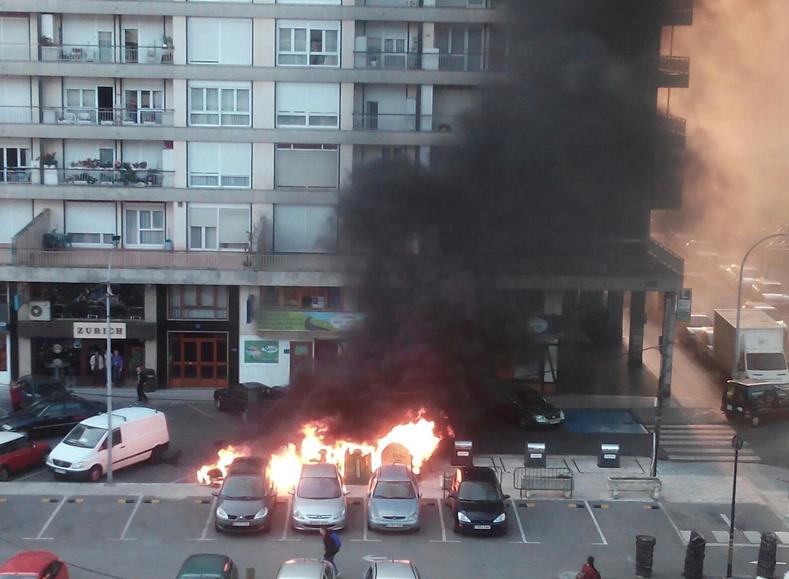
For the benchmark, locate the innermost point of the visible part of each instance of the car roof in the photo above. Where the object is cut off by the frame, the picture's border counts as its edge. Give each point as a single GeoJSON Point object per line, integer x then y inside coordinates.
{"type": "Point", "coordinates": [208, 564]}
{"type": "Point", "coordinates": [28, 561]}
{"type": "Point", "coordinates": [477, 473]}
{"type": "Point", "coordinates": [254, 385]}
{"type": "Point", "coordinates": [393, 472]}
{"type": "Point", "coordinates": [394, 569]}
{"type": "Point", "coordinates": [318, 470]}
{"type": "Point", "coordinates": [301, 569]}
{"type": "Point", "coordinates": [123, 414]}
{"type": "Point", "coordinates": [9, 436]}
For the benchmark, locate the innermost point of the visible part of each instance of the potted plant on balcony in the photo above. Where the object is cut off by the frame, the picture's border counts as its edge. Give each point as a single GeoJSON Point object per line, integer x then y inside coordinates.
{"type": "Point", "coordinates": [50, 164]}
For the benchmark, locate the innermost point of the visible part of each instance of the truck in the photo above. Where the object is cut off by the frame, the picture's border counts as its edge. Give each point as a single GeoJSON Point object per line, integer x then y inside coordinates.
{"type": "Point", "coordinates": [762, 355]}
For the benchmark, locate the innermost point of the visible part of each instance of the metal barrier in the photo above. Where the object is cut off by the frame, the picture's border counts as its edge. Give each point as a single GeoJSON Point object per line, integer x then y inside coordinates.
{"type": "Point", "coordinates": [526, 480]}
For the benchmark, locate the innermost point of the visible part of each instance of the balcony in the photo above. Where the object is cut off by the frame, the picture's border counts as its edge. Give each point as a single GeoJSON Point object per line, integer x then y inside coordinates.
{"type": "Point", "coordinates": [672, 129]}
{"type": "Point", "coordinates": [426, 3]}
{"type": "Point", "coordinates": [86, 116]}
{"type": "Point", "coordinates": [461, 62]}
{"type": "Point", "coordinates": [130, 175]}
{"type": "Point", "coordinates": [107, 54]}
{"type": "Point", "coordinates": [678, 12]}
{"type": "Point", "coordinates": [674, 72]}
{"type": "Point", "coordinates": [16, 175]}
{"type": "Point", "coordinates": [387, 60]}
{"type": "Point", "coordinates": [406, 122]}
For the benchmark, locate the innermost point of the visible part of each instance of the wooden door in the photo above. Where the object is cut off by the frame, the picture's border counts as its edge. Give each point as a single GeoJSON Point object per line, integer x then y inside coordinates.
{"type": "Point", "coordinates": [198, 360]}
{"type": "Point", "coordinates": [300, 358]}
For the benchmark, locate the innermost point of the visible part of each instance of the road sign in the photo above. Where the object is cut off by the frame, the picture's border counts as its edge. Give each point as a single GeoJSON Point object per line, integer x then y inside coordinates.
{"type": "Point", "coordinates": [683, 304]}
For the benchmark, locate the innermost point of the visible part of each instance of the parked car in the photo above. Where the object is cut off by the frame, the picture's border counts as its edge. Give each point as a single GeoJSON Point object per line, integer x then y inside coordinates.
{"type": "Point", "coordinates": [393, 499]}
{"type": "Point", "coordinates": [753, 400]}
{"type": "Point", "coordinates": [391, 569]}
{"type": "Point", "coordinates": [319, 498]}
{"type": "Point", "coordinates": [17, 453]}
{"type": "Point", "coordinates": [306, 569]}
{"type": "Point", "coordinates": [765, 286]}
{"type": "Point", "coordinates": [248, 399]}
{"type": "Point", "coordinates": [528, 408]}
{"type": "Point", "coordinates": [688, 330]}
{"type": "Point", "coordinates": [704, 344]}
{"type": "Point", "coordinates": [245, 502]}
{"type": "Point", "coordinates": [51, 417]}
{"type": "Point", "coordinates": [34, 565]}
{"type": "Point", "coordinates": [32, 388]}
{"type": "Point", "coordinates": [749, 274]}
{"type": "Point", "coordinates": [476, 501]}
{"type": "Point", "coordinates": [141, 434]}
{"type": "Point", "coordinates": [208, 565]}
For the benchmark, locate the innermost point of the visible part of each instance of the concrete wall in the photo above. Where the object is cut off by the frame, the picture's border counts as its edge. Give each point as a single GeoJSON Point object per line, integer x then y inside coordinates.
{"type": "Point", "coordinates": [277, 374]}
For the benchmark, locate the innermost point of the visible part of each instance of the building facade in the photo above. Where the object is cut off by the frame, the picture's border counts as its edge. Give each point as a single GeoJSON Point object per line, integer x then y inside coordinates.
{"type": "Point", "coordinates": [193, 153]}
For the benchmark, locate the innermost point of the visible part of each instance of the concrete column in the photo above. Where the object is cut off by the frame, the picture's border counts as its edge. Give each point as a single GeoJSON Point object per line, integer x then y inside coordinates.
{"type": "Point", "coordinates": [426, 108]}
{"type": "Point", "coordinates": [346, 106]}
{"type": "Point", "coordinates": [346, 165]}
{"type": "Point", "coordinates": [263, 104]}
{"type": "Point", "coordinates": [667, 343]}
{"type": "Point", "coordinates": [179, 163]}
{"type": "Point", "coordinates": [264, 33]}
{"type": "Point", "coordinates": [614, 308]}
{"type": "Point", "coordinates": [263, 167]}
{"type": "Point", "coordinates": [179, 226]}
{"type": "Point", "coordinates": [179, 102]}
{"type": "Point", "coordinates": [637, 321]}
{"type": "Point", "coordinates": [348, 41]}
{"type": "Point", "coordinates": [25, 360]}
{"type": "Point", "coordinates": [179, 40]}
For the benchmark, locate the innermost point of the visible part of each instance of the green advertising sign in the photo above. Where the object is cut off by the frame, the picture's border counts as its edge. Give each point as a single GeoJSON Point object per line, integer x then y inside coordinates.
{"type": "Point", "coordinates": [308, 321]}
{"type": "Point", "coordinates": [261, 352]}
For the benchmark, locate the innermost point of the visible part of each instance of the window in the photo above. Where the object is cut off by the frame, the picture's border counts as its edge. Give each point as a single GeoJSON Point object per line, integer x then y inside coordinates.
{"type": "Point", "coordinates": [144, 106]}
{"type": "Point", "coordinates": [90, 223]}
{"type": "Point", "coordinates": [302, 43]}
{"type": "Point", "coordinates": [188, 302]}
{"type": "Point", "coordinates": [308, 104]}
{"type": "Point", "coordinates": [219, 105]}
{"type": "Point", "coordinates": [219, 41]}
{"type": "Point", "coordinates": [308, 166]}
{"type": "Point", "coordinates": [213, 227]}
{"type": "Point", "coordinates": [144, 226]}
{"type": "Point", "coordinates": [14, 165]}
{"type": "Point", "coordinates": [220, 165]}
{"type": "Point", "coordinates": [460, 47]}
{"type": "Point", "coordinates": [80, 105]}
{"type": "Point", "coordinates": [305, 228]}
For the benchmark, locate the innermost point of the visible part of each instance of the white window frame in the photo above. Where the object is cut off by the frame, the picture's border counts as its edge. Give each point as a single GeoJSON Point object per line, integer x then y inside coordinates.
{"type": "Point", "coordinates": [151, 114]}
{"type": "Point", "coordinates": [305, 147]}
{"type": "Point", "coordinates": [217, 227]}
{"type": "Point", "coordinates": [138, 209]}
{"type": "Point", "coordinates": [220, 179]}
{"type": "Point", "coordinates": [307, 116]}
{"type": "Point", "coordinates": [225, 118]}
{"type": "Point", "coordinates": [307, 57]}
{"type": "Point", "coordinates": [83, 113]}
{"type": "Point", "coordinates": [105, 238]}
{"type": "Point", "coordinates": [22, 170]}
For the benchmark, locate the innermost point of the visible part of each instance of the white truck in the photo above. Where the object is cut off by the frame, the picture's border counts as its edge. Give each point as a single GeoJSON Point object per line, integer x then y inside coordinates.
{"type": "Point", "coordinates": [762, 355]}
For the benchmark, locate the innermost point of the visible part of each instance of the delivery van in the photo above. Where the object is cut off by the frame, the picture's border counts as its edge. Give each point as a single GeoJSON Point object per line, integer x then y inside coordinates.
{"type": "Point", "coordinates": [139, 434]}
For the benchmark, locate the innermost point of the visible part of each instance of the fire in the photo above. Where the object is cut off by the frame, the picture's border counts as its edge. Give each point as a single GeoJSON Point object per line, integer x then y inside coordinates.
{"type": "Point", "coordinates": [226, 456]}
{"type": "Point", "coordinates": [411, 442]}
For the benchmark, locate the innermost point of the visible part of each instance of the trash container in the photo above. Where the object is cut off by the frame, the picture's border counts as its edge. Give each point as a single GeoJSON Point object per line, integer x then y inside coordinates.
{"type": "Point", "coordinates": [694, 557]}
{"type": "Point", "coordinates": [765, 565]}
{"type": "Point", "coordinates": [358, 467]}
{"type": "Point", "coordinates": [463, 453]}
{"type": "Point", "coordinates": [150, 379]}
{"type": "Point", "coordinates": [645, 547]}
{"type": "Point", "coordinates": [609, 456]}
{"type": "Point", "coordinates": [535, 455]}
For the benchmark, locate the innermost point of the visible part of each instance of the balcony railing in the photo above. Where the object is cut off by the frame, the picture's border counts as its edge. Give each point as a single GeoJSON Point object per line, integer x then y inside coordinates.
{"type": "Point", "coordinates": [109, 177]}
{"type": "Point", "coordinates": [406, 123]}
{"type": "Point", "coordinates": [387, 60]}
{"type": "Point", "coordinates": [672, 128]}
{"type": "Point", "coordinates": [16, 174]}
{"type": "Point", "coordinates": [436, 3]}
{"type": "Point", "coordinates": [107, 53]}
{"type": "Point", "coordinates": [15, 51]}
{"type": "Point", "coordinates": [86, 116]}
{"type": "Point", "coordinates": [674, 71]}
{"type": "Point", "coordinates": [678, 12]}
{"type": "Point", "coordinates": [465, 62]}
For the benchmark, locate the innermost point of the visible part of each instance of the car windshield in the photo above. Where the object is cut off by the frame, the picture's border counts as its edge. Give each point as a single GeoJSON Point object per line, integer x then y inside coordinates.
{"type": "Point", "coordinates": [394, 490]}
{"type": "Point", "coordinates": [477, 490]}
{"type": "Point", "coordinates": [529, 398]}
{"type": "Point", "coordinates": [37, 408]}
{"type": "Point", "coordinates": [764, 361]}
{"type": "Point", "coordinates": [85, 436]}
{"type": "Point", "coordinates": [319, 488]}
{"type": "Point", "coordinates": [241, 488]}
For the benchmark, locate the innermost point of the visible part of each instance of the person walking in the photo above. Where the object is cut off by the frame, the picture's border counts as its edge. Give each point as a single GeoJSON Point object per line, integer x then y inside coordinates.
{"type": "Point", "coordinates": [117, 367]}
{"type": "Point", "coordinates": [141, 397]}
{"type": "Point", "coordinates": [588, 571]}
{"type": "Point", "coordinates": [97, 367]}
{"type": "Point", "coordinates": [331, 546]}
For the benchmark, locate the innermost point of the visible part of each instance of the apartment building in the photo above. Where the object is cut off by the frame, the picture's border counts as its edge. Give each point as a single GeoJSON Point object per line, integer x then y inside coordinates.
{"type": "Point", "coordinates": [198, 149]}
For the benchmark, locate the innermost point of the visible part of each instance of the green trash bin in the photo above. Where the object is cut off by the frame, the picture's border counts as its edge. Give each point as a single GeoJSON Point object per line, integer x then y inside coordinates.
{"type": "Point", "coordinates": [358, 467]}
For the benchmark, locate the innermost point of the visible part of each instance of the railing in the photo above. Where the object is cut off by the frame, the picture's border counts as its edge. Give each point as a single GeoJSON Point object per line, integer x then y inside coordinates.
{"type": "Point", "coordinates": [406, 122]}
{"type": "Point", "coordinates": [107, 53]}
{"type": "Point", "coordinates": [211, 180]}
{"type": "Point", "coordinates": [434, 3]}
{"type": "Point", "coordinates": [15, 51]}
{"type": "Point", "coordinates": [468, 62]}
{"type": "Point", "coordinates": [674, 71]}
{"type": "Point", "coordinates": [86, 116]}
{"type": "Point", "coordinates": [664, 255]}
{"type": "Point", "coordinates": [387, 60]}
{"type": "Point", "coordinates": [673, 128]}
{"type": "Point", "coordinates": [111, 177]}
{"type": "Point", "coordinates": [16, 174]}
{"type": "Point", "coordinates": [678, 12]}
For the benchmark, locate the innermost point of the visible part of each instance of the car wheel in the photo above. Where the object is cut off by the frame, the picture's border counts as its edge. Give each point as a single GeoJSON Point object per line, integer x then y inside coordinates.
{"type": "Point", "coordinates": [156, 455]}
{"type": "Point", "coordinates": [219, 405]}
{"type": "Point", "coordinates": [4, 473]}
{"type": "Point", "coordinates": [456, 527]}
{"type": "Point", "coordinates": [94, 473]}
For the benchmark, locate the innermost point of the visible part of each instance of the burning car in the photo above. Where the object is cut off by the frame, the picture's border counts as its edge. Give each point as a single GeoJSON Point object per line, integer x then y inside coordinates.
{"type": "Point", "coordinates": [319, 498]}
{"type": "Point", "coordinates": [245, 502]}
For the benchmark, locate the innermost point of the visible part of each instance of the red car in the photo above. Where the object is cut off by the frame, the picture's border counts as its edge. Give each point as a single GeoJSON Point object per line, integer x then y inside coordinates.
{"type": "Point", "coordinates": [18, 453]}
{"type": "Point", "coordinates": [35, 565]}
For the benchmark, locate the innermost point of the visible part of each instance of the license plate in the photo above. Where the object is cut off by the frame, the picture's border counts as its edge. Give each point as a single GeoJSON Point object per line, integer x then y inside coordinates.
{"type": "Point", "coordinates": [241, 524]}
{"type": "Point", "coordinates": [395, 526]}
{"type": "Point", "coordinates": [60, 471]}
{"type": "Point", "coordinates": [482, 527]}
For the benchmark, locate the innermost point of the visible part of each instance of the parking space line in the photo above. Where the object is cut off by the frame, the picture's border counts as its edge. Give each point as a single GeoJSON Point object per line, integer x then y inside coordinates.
{"type": "Point", "coordinates": [40, 536]}
{"type": "Point", "coordinates": [685, 539]}
{"type": "Point", "coordinates": [596, 524]}
{"type": "Point", "coordinates": [206, 414]}
{"type": "Point", "coordinates": [285, 530]}
{"type": "Point", "coordinates": [207, 523]}
{"type": "Point", "coordinates": [520, 526]}
{"type": "Point", "coordinates": [444, 539]}
{"type": "Point", "coordinates": [364, 538]}
{"type": "Point", "coordinates": [30, 474]}
{"type": "Point", "coordinates": [129, 521]}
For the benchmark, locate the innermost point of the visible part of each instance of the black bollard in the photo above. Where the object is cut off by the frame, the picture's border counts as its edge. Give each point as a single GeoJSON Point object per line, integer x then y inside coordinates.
{"type": "Point", "coordinates": [765, 566]}
{"type": "Point", "coordinates": [694, 557]}
{"type": "Point", "coordinates": [645, 547]}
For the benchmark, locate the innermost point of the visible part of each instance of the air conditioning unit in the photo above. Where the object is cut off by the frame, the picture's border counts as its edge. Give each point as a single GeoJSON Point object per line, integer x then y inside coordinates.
{"type": "Point", "coordinates": [40, 311]}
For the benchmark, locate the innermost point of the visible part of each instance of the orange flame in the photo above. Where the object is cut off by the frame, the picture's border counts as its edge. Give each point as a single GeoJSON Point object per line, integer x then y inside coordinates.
{"type": "Point", "coordinates": [226, 456]}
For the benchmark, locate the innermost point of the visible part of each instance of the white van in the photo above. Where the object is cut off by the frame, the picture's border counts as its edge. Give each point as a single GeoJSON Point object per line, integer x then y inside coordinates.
{"type": "Point", "coordinates": [138, 434]}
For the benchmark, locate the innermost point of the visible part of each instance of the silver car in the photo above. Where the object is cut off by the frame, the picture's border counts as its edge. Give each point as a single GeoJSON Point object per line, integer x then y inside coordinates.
{"type": "Point", "coordinates": [319, 498]}
{"type": "Point", "coordinates": [306, 569]}
{"type": "Point", "coordinates": [393, 499]}
{"type": "Point", "coordinates": [392, 569]}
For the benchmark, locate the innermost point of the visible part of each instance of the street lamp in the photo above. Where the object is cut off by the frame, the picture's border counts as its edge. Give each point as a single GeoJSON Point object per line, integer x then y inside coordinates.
{"type": "Point", "coordinates": [736, 362]}
{"type": "Point", "coordinates": [736, 444]}
{"type": "Point", "coordinates": [108, 363]}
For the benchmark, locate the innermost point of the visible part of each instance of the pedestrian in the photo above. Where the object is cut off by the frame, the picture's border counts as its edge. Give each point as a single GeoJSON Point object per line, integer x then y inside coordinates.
{"type": "Point", "coordinates": [97, 367]}
{"type": "Point", "coordinates": [141, 397]}
{"type": "Point", "coordinates": [117, 367]}
{"type": "Point", "coordinates": [588, 571]}
{"type": "Point", "coordinates": [331, 546]}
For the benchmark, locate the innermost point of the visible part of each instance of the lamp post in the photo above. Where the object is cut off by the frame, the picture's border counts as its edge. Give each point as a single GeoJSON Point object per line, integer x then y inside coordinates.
{"type": "Point", "coordinates": [736, 362]}
{"type": "Point", "coordinates": [108, 363]}
{"type": "Point", "coordinates": [736, 444]}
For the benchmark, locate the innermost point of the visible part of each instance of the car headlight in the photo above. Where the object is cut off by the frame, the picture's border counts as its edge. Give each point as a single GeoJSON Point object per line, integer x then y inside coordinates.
{"type": "Point", "coordinates": [297, 514]}
{"type": "Point", "coordinates": [6, 427]}
{"type": "Point", "coordinates": [561, 415]}
{"type": "Point", "coordinates": [221, 513]}
{"type": "Point", "coordinates": [261, 513]}
{"type": "Point", "coordinates": [501, 518]}
{"type": "Point", "coordinates": [463, 518]}
{"type": "Point", "coordinates": [341, 514]}
{"type": "Point", "coordinates": [78, 465]}
{"type": "Point", "coordinates": [540, 418]}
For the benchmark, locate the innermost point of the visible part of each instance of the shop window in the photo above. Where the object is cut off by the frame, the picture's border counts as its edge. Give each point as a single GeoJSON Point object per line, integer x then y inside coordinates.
{"type": "Point", "coordinates": [302, 298]}
{"type": "Point", "coordinates": [192, 302]}
{"type": "Point", "coordinates": [85, 301]}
